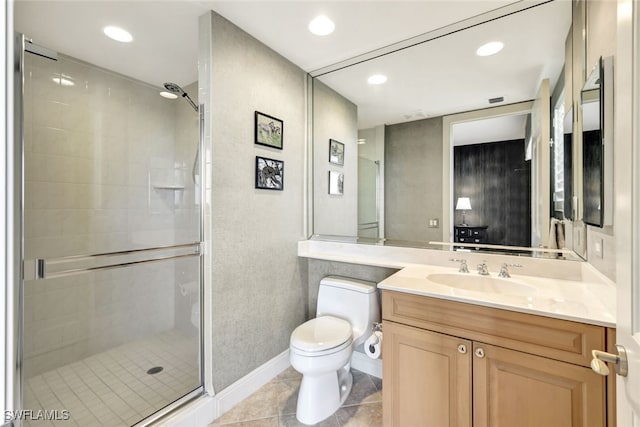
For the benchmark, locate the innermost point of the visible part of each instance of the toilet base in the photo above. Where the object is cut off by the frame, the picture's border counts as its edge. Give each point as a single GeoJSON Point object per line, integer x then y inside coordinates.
{"type": "Point", "coordinates": [321, 395]}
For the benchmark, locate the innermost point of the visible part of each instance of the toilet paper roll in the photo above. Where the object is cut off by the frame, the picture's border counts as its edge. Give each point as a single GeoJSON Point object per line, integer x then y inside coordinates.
{"type": "Point", "coordinates": [189, 288]}
{"type": "Point", "coordinates": [373, 345]}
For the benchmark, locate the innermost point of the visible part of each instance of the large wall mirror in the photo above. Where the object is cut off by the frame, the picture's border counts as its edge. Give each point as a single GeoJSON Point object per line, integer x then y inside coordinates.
{"type": "Point", "coordinates": [444, 141]}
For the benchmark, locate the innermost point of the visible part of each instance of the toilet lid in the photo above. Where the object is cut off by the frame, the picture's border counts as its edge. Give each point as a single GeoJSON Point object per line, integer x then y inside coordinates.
{"type": "Point", "coordinates": [321, 333]}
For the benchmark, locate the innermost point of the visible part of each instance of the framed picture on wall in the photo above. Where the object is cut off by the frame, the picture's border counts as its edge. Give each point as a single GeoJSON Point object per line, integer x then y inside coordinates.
{"type": "Point", "coordinates": [336, 183]}
{"type": "Point", "coordinates": [336, 152]}
{"type": "Point", "coordinates": [268, 130]}
{"type": "Point", "coordinates": [269, 174]}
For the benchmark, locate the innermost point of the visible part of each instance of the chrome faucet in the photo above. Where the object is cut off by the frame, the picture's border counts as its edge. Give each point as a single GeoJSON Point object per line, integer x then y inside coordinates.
{"type": "Point", "coordinates": [504, 270]}
{"type": "Point", "coordinates": [483, 270]}
{"type": "Point", "coordinates": [463, 265]}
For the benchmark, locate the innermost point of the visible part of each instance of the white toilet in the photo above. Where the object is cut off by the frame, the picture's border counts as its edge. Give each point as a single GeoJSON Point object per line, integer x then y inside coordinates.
{"type": "Point", "coordinates": [320, 349]}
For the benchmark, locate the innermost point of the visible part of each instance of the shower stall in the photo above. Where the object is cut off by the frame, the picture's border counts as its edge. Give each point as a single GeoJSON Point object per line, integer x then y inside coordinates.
{"type": "Point", "coordinates": [110, 322]}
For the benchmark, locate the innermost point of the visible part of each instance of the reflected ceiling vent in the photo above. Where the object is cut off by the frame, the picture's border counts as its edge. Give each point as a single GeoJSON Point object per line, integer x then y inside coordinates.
{"type": "Point", "coordinates": [496, 100]}
{"type": "Point", "coordinates": [415, 115]}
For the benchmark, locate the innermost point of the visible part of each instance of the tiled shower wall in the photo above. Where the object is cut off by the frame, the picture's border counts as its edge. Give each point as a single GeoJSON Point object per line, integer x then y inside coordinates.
{"type": "Point", "coordinates": [187, 212]}
{"type": "Point", "coordinates": [95, 153]}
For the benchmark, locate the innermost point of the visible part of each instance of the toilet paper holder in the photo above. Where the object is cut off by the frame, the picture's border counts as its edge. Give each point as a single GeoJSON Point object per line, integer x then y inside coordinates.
{"type": "Point", "coordinates": [372, 344]}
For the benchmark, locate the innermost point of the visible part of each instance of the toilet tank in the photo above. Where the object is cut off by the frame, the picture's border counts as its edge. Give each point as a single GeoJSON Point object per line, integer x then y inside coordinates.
{"type": "Point", "coordinates": [353, 300]}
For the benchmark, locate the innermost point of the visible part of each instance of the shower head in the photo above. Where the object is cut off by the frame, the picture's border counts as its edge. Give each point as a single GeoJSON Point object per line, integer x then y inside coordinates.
{"type": "Point", "coordinates": [176, 89]}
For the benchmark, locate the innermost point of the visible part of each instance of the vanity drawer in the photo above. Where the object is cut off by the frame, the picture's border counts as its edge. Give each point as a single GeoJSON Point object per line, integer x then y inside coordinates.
{"type": "Point", "coordinates": [554, 338]}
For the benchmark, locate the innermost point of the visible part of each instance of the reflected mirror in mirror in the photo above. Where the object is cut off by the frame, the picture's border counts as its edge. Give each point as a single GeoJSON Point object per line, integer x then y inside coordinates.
{"type": "Point", "coordinates": [401, 156]}
{"type": "Point", "coordinates": [562, 164]}
{"type": "Point", "coordinates": [592, 148]}
{"type": "Point", "coordinates": [562, 160]}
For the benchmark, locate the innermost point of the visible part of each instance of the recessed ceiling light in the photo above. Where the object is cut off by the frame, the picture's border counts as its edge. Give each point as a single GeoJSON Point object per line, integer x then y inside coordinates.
{"type": "Point", "coordinates": [117, 34]}
{"type": "Point", "coordinates": [377, 79]}
{"type": "Point", "coordinates": [63, 81]}
{"type": "Point", "coordinates": [321, 26]}
{"type": "Point", "coordinates": [168, 95]}
{"type": "Point", "coordinates": [490, 48]}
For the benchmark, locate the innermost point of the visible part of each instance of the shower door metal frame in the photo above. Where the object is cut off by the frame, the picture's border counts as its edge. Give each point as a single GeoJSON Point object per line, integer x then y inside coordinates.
{"type": "Point", "coordinates": [14, 227]}
{"type": "Point", "coordinates": [18, 269]}
{"type": "Point", "coordinates": [5, 131]}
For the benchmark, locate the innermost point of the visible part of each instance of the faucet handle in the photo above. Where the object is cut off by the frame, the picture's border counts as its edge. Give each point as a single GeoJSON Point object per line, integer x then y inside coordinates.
{"type": "Point", "coordinates": [463, 265]}
{"type": "Point", "coordinates": [504, 270]}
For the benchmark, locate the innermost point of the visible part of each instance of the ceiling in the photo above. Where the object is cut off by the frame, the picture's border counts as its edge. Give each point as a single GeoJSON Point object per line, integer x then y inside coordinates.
{"type": "Point", "coordinates": [505, 128]}
{"type": "Point", "coordinates": [445, 76]}
{"type": "Point", "coordinates": [428, 80]}
{"type": "Point", "coordinates": [165, 46]}
{"type": "Point", "coordinates": [166, 32]}
{"type": "Point", "coordinates": [361, 26]}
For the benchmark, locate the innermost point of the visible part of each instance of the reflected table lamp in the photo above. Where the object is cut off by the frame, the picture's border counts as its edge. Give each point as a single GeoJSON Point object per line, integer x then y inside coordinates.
{"type": "Point", "coordinates": [463, 204]}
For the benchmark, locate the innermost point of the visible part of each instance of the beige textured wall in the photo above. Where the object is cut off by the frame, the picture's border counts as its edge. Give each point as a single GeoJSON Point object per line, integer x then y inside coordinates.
{"type": "Point", "coordinates": [259, 285]}
{"type": "Point", "coordinates": [320, 268]}
{"type": "Point", "coordinates": [413, 180]}
{"type": "Point", "coordinates": [601, 30]}
{"type": "Point", "coordinates": [334, 117]}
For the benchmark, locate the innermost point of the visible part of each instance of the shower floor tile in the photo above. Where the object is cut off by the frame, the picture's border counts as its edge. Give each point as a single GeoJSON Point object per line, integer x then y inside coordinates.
{"type": "Point", "coordinates": [113, 389]}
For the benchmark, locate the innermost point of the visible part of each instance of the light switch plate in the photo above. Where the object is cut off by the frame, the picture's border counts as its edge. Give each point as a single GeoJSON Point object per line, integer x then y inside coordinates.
{"type": "Point", "coordinates": [434, 223]}
{"type": "Point", "coordinates": [598, 248]}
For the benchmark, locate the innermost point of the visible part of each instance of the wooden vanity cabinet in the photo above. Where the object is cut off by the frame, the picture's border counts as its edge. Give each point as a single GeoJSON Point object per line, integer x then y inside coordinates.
{"type": "Point", "coordinates": [427, 379]}
{"type": "Point", "coordinates": [512, 388]}
{"type": "Point", "coordinates": [455, 364]}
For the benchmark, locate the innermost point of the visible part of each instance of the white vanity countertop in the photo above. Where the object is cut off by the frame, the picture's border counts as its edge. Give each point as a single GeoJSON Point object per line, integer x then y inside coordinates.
{"type": "Point", "coordinates": [587, 301]}
{"type": "Point", "coordinates": [568, 290]}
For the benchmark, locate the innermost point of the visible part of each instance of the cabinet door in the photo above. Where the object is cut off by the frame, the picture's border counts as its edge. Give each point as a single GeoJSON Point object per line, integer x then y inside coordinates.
{"type": "Point", "coordinates": [427, 378]}
{"type": "Point", "coordinates": [511, 388]}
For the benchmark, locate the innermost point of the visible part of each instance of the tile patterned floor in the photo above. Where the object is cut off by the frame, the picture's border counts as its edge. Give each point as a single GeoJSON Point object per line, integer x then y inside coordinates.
{"type": "Point", "coordinates": [274, 405]}
{"type": "Point", "coordinates": [113, 388]}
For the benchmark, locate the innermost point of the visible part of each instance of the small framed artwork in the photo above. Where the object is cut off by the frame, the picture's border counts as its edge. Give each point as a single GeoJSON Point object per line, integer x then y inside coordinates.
{"type": "Point", "coordinates": [268, 130]}
{"type": "Point", "coordinates": [269, 173]}
{"type": "Point", "coordinates": [336, 152]}
{"type": "Point", "coordinates": [336, 183]}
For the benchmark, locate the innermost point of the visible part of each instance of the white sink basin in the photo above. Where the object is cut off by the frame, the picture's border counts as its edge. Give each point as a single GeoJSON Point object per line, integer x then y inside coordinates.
{"type": "Point", "coordinates": [477, 283]}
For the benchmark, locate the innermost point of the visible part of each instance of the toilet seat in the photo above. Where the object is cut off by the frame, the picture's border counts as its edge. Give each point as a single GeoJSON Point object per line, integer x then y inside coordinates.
{"type": "Point", "coordinates": [322, 335]}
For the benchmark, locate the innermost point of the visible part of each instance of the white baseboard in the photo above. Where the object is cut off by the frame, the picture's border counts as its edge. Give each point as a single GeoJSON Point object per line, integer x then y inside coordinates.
{"type": "Point", "coordinates": [245, 386]}
{"type": "Point", "coordinates": [203, 411]}
{"type": "Point", "coordinates": [362, 362]}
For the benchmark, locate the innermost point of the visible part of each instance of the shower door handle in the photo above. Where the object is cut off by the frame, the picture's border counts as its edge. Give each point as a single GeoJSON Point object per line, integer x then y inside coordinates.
{"type": "Point", "coordinates": [38, 269]}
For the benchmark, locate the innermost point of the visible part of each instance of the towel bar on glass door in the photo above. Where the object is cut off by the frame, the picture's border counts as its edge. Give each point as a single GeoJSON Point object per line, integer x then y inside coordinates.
{"type": "Point", "coordinates": [38, 270]}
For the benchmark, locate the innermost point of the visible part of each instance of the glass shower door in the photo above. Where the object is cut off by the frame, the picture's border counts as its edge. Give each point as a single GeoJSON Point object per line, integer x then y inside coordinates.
{"type": "Point", "coordinates": [368, 183]}
{"type": "Point", "coordinates": [111, 327]}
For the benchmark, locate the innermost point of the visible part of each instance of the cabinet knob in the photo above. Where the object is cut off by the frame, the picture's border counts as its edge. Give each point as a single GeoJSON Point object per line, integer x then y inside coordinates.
{"type": "Point", "coordinates": [479, 353]}
{"type": "Point", "coordinates": [462, 349]}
